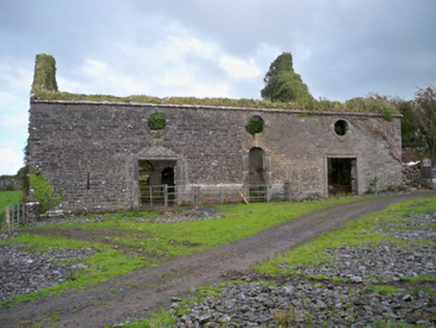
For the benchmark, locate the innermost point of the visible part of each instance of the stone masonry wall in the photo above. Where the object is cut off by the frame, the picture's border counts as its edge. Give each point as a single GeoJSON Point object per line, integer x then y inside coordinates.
{"type": "Point", "coordinates": [81, 144]}
{"type": "Point", "coordinates": [10, 183]}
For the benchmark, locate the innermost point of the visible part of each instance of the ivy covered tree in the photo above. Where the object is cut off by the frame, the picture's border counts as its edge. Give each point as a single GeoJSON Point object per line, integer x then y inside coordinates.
{"type": "Point", "coordinates": [283, 84]}
{"type": "Point", "coordinates": [44, 77]}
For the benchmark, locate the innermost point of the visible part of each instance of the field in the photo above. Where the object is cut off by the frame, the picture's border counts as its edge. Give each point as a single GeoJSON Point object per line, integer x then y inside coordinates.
{"type": "Point", "coordinates": [9, 198]}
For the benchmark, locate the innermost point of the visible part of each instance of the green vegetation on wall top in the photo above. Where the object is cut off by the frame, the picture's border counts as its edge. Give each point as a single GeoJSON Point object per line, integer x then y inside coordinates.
{"type": "Point", "coordinates": [45, 87]}
{"type": "Point", "coordinates": [44, 77]}
{"type": "Point", "coordinates": [364, 105]}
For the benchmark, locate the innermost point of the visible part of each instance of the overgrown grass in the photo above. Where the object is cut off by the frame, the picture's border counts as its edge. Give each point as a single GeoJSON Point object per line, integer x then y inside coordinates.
{"type": "Point", "coordinates": [353, 233]}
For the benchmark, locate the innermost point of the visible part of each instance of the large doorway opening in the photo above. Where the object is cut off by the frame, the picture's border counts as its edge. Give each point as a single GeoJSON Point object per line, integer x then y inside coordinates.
{"type": "Point", "coordinates": [342, 179]}
{"type": "Point", "coordinates": [256, 175]}
{"type": "Point", "coordinates": [156, 177]}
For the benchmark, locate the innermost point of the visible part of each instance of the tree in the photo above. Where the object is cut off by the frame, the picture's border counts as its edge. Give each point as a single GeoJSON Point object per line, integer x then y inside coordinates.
{"type": "Point", "coordinates": [425, 100]}
{"type": "Point", "coordinates": [282, 83]}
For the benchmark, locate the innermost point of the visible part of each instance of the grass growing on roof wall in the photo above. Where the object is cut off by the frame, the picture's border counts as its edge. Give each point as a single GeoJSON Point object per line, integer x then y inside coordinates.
{"type": "Point", "coordinates": [360, 104]}
{"type": "Point", "coordinates": [358, 232]}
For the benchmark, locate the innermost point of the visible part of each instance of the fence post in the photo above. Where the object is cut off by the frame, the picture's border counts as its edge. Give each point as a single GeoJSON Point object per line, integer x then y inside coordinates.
{"type": "Point", "coordinates": [151, 196]}
{"type": "Point", "coordinates": [8, 222]}
{"type": "Point", "coordinates": [13, 218]}
{"type": "Point", "coordinates": [287, 191]}
{"type": "Point", "coordinates": [166, 195]}
{"type": "Point", "coordinates": [18, 216]}
{"type": "Point", "coordinates": [267, 194]}
{"type": "Point", "coordinates": [221, 194]}
{"type": "Point", "coordinates": [24, 212]}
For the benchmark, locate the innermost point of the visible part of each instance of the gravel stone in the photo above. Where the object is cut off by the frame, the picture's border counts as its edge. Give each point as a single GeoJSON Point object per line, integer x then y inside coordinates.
{"type": "Point", "coordinates": [24, 271]}
{"type": "Point", "coordinates": [349, 304]}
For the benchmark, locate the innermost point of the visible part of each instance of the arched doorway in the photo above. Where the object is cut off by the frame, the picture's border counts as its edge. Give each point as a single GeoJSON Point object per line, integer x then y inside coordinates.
{"type": "Point", "coordinates": [256, 175]}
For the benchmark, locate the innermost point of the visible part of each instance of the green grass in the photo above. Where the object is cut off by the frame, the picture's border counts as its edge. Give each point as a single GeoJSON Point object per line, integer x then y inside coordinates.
{"type": "Point", "coordinates": [357, 232]}
{"type": "Point", "coordinates": [9, 198]}
{"type": "Point", "coordinates": [354, 233]}
{"type": "Point", "coordinates": [161, 241]}
{"type": "Point", "coordinates": [384, 289]}
{"type": "Point", "coordinates": [151, 243]}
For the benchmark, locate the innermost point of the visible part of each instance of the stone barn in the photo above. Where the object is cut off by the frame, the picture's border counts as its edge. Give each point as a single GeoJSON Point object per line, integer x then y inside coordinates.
{"type": "Point", "coordinates": [109, 155]}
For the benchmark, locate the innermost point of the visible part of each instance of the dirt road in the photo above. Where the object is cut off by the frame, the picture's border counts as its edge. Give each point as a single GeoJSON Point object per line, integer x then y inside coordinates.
{"type": "Point", "coordinates": [149, 289]}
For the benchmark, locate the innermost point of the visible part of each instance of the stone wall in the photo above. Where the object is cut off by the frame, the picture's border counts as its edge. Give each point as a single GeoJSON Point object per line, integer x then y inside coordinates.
{"type": "Point", "coordinates": [10, 183]}
{"type": "Point", "coordinates": [89, 151]}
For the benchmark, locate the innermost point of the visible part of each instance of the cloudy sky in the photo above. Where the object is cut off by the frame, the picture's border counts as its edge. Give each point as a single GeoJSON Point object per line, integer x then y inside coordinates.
{"type": "Point", "coordinates": [210, 48]}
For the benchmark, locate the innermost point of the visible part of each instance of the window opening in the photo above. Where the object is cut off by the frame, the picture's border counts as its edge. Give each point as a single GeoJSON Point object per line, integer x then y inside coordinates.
{"type": "Point", "coordinates": [341, 127]}
{"type": "Point", "coordinates": [157, 122]}
{"type": "Point", "coordinates": [255, 125]}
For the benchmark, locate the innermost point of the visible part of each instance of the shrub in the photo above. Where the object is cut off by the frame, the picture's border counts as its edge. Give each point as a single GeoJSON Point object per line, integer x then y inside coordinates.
{"type": "Point", "coordinates": [43, 193]}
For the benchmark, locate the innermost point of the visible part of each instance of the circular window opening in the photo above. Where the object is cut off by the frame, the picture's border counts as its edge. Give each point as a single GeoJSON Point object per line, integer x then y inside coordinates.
{"type": "Point", "coordinates": [255, 125]}
{"type": "Point", "coordinates": [341, 127]}
{"type": "Point", "coordinates": [157, 122]}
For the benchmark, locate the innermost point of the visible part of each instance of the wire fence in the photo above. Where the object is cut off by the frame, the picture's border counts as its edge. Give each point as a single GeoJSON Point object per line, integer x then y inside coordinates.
{"type": "Point", "coordinates": [196, 195]}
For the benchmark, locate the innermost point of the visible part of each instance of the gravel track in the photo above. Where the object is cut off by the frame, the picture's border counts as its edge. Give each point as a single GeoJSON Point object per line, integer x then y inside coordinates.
{"type": "Point", "coordinates": [147, 290]}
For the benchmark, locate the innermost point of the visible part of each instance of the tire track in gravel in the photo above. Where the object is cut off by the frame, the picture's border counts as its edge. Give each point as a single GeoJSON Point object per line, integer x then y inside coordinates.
{"type": "Point", "coordinates": [145, 291]}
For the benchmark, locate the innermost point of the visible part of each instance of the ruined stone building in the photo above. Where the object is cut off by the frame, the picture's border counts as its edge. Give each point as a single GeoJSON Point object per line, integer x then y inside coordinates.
{"type": "Point", "coordinates": [109, 155]}
{"type": "Point", "coordinates": [95, 153]}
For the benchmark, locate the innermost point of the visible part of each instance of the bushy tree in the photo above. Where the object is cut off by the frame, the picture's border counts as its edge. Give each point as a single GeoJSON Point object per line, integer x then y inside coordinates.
{"type": "Point", "coordinates": [425, 101]}
{"type": "Point", "coordinates": [410, 126]}
{"type": "Point", "coordinates": [418, 125]}
{"type": "Point", "coordinates": [282, 83]}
